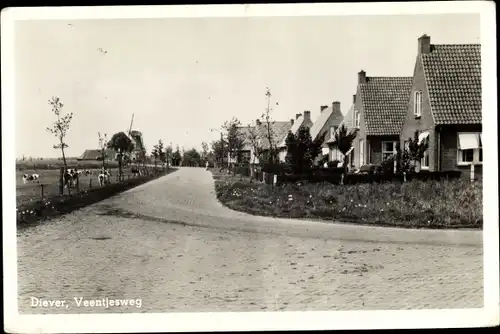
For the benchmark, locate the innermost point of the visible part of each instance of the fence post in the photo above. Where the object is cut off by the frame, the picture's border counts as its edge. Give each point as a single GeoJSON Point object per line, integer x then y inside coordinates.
{"type": "Point", "coordinates": [90, 183]}
{"type": "Point", "coordinates": [41, 186]}
{"type": "Point", "coordinates": [77, 180]}
{"type": "Point", "coordinates": [61, 181]}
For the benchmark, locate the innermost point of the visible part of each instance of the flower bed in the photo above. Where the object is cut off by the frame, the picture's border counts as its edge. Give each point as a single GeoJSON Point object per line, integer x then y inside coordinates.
{"type": "Point", "coordinates": [453, 203]}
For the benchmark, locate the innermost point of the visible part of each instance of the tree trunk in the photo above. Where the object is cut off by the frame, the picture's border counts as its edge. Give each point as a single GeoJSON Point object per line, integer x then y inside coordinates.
{"type": "Point", "coordinates": [63, 156]}
{"type": "Point", "coordinates": [120, 157]}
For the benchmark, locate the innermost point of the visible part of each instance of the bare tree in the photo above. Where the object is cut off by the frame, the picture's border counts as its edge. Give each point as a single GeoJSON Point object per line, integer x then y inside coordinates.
{"type": "Point", "coordinates": [256, 144]}
{"type": "Point", "coordinates": [269, 133]}
{"type": "Point", "coordinates": [60, 127]}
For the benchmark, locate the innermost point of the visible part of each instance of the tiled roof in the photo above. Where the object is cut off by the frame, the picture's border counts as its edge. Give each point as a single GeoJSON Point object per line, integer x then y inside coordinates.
{"type": "Point", "coordinates": [453, 76]}
{"type": "Point", "coordinates": [96, 154]}
{"type": "Point", "coordinates": [301, 121]}
{"type": "Point", "coordinates": [323, 118]}
{"type": "Point", "coordinates": [385, 103]}
{"type": "Point", "coordinates": [279, 129]}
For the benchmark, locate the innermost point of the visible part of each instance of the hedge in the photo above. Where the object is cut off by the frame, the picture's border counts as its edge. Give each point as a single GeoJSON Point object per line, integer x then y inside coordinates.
{"type": "Point", "coordinates": [336, 177]}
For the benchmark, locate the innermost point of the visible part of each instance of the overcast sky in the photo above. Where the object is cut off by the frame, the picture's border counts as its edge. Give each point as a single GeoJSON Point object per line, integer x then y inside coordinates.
{"type": "Point", "coordinates": [183, 76]}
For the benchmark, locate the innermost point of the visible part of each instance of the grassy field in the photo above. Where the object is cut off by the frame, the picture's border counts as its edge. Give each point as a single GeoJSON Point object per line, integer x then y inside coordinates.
{"type": "Point", "coordinates": [49, 178]}
{"type": "Point", "coordinates": [415, 204]}
{"type": "Point", "coordinates": [43, 164]}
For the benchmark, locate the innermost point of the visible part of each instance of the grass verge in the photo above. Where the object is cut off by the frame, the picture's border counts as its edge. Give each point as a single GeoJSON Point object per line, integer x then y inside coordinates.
{"type": "Point", "coordinates": [33, 213]}
{"type": "Point", "coordinates": [433, 204]}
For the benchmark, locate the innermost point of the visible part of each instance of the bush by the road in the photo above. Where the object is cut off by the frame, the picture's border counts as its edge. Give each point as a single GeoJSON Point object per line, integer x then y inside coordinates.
{"type": "Point", "coordinates": [453, 203]}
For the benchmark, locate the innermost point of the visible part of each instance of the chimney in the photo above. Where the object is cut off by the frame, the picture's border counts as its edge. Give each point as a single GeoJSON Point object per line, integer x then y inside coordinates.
{"type": "Point", "coordinates": [291, 120]}
{"type": "Point", "coordinates": [297, 116]}
{"type": "Point", "coordinates": [321, 108]}
{"type": "Point", "coordinates": [354, 98]}
{"type": "Point", "coordinates": [361, 77]}
{"type": "Point", "coordinates": [424, 44]}
{"type": "Point", "coordinates": [257, 121]}
{"type": "Point", "coordinates": [336, 107]}
{"type": "Point", "coordinates": [307, 115]}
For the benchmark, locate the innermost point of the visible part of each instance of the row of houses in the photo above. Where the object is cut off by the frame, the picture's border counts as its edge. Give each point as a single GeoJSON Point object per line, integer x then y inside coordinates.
{"type": "Point", "coordinates": [441, 100]}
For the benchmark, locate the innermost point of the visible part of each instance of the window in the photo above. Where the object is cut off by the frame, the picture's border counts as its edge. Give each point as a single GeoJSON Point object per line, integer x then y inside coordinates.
{"type": "Point", "coordinates": [469, 148]}
{"type": "Point", "coordinates": [423, 138]}
{"type": "Point", "coordinates": [417, 104]}
{"type": "Point", "coordinates": [356, 118]}
{"type": "Point", "coordinates": [388, 149]}
{"type": "Point", "coordinates": [332, 132]}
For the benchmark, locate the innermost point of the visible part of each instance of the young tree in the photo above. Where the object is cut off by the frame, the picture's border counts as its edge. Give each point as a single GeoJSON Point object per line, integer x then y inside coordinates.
{"type": "Point", "coordinates": [169, 154]}
{"type": "Point", "coordinates": [268, 130]}
{"type": "Point", "coordinates": [220, 150]}
{"type": "Point", "coordinates": [103, 141]}
{"type": "Point", "coordinates": [204, 151]}
{"type": "Point", "coordinates": [256, 145]}
{"type": "Point", "coordinates": [121, 144]}
{"type": "Point", "coordinates": [343, 140]}
{"type": "Point", "coordinates": [235, 140]}
{"type": "Point", "coordinates": [161, 152]}
{"type": "Point", "coordinates": [176, 157]}
{"type": "Point", "coordinates": [413, 153]}
{"type": "Point", "coordinates": [302, 150]}
{"type": "Point", "coordinates": [155, 153]}
{"type": "Point", "coordinates": [60, 127]}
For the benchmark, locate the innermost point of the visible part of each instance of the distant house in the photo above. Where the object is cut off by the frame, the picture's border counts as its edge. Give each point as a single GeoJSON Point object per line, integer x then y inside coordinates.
{"type": "Point", "coordinates": [334, 153]}
{"type": "Point", "coordinates": [299, 121]}
{"type": "Point", "coordinates": [279, 131]}
{"type": "Point", "coordinates": [96, 155]}
{"type": "Point", "coordinates": [327, 122]}
{"type": "Point", "coordinates": [379, 114]}
{"type": "Point", "coordinates": [445, 105]}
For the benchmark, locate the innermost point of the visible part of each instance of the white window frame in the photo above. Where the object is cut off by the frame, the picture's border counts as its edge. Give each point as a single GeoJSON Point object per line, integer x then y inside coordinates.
{"type": "Point", "coordinates": [386, 152]}
{"type": "Point", "coordinates": [475, 158]}
{"type": "Point", "coordinates": [361, 152]}
{"type": "Point", "coordinates": [423, 165]}
{"type": "Point", "coordinates": [357, 118]}
{"type": "Point", "coordinates": [417, 103]}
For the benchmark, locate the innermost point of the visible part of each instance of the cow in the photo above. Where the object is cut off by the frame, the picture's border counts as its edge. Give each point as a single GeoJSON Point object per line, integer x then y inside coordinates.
{"type": "Point", "coordinates": [103, 177]}
{"type": "Point", "coordinates": [31, 178]}
{"type": "Point", "coordinates": [88, 172]}
{"type": "Point", "coordinates": [69, 178]}
{"type": "Point", "coordinates": [135, 171]}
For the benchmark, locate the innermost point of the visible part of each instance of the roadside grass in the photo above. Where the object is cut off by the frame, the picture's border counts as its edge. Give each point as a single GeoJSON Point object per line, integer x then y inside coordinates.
{"type": "Point", "coordinates": [447, 204]}
{"type": "Point", "coordinates": [35, 211]}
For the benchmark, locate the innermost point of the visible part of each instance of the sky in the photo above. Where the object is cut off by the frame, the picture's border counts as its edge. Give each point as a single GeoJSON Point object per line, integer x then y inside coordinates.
{"type": "Point", "coordinates": [180, 77]}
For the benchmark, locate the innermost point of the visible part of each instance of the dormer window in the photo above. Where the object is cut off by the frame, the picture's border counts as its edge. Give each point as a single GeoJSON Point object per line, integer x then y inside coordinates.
{"type": "Point", "coordinates": [332, 132]}
{"type": "Point", "coordinates": [417, 104]}
{"type": "Point", "coordinates": [356, 118]}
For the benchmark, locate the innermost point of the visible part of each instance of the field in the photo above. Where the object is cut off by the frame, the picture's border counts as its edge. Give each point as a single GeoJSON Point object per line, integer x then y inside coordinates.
{"type": "Point", "coordinates": [40, 164]}
{"type": "Point", "coordinates": [49, 178]}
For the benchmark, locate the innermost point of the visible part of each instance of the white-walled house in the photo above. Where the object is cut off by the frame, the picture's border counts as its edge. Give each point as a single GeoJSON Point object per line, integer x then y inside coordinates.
{"type": "Point", "coordinates": [300, 121]}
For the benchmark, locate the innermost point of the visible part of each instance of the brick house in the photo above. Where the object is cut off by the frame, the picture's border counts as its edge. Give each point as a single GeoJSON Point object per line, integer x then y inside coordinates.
{"type": "Point", "coordinates": [380, 109]}
{"type": "Point", "coordinates": [279, 130]}
{"type": "Point", "coordinates": [334, 154]}
{"type": "Point", "coordinates": [300, 121]}
{"type": "Point", "coordinates": [327, 122]}
{"type": "Point", "coordinates": [445, 105]}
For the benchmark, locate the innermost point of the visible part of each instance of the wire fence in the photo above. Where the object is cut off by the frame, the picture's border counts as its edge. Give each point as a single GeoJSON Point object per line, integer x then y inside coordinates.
{"type": "Point", "coordinates": [52, 183]}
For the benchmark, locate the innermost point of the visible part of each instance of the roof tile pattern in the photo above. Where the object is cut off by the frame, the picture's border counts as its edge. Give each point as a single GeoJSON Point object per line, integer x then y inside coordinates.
{"type": "Point", "coordinates": [453, 76]}
{"type": "Point", "coordinates": [385, 103]}
{"type": "Point", "coordinates": [279, 131]}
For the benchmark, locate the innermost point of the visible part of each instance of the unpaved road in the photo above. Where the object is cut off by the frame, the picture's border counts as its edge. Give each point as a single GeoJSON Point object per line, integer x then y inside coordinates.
{"type": "Point", "coordinates": [172, 245]}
